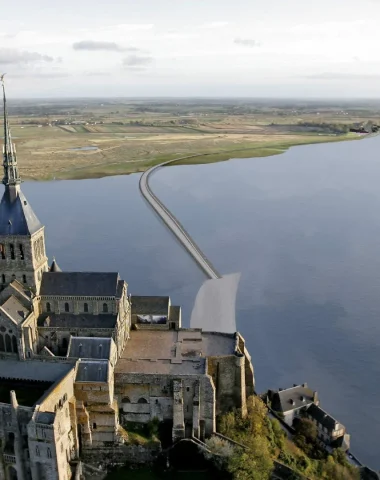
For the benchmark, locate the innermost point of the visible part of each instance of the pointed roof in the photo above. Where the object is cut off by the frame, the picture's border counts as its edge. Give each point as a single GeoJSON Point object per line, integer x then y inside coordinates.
{"type": "Point", "coordinates": [11, 175]}
{"type": "Point", "coordinates": [17, 216]}
{"type": "Point", "coordinates": [54, 267]}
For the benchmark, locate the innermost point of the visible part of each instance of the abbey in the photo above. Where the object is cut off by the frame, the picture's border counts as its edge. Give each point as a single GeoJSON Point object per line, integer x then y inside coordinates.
{"type": "Point", "coordinates": [82, 360]}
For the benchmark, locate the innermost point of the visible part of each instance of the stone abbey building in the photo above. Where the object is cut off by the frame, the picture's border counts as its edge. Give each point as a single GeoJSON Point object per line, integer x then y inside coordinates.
{"type": "Point", "coordinates": [81, 358]}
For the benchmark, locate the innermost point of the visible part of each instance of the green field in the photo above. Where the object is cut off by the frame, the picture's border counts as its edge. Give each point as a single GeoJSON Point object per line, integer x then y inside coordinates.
{"type": "Point", "coordinates": [131, 136]}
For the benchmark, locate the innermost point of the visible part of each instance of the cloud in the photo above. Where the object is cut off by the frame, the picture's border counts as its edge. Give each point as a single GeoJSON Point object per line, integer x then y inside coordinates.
{"type": "Point", "coordinates": [137, 61]}
{"type": "Point", "coordinates": [97, 74]}
{"type": "Point", "coordinates": [93, 45]}
{"type": "Point", "coordinates": [9, 56]}
{"type": "Point", "coordinates": [41, 75]}
{"type": "Point", "coordinates": [247, 42]}
{"type": "Point", "coordinates": [343, 76]}
{"type": "Point", "coordinates": [214, 25]}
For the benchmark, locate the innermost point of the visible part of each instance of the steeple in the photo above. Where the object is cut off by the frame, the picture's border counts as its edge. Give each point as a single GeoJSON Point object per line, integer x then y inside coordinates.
{"type": "Point", "coordinates": [11, 178]}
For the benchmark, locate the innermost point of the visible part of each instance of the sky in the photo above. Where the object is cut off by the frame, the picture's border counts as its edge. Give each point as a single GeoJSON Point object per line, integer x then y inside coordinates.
{"type": "Point", "coordinates": [191, 48]}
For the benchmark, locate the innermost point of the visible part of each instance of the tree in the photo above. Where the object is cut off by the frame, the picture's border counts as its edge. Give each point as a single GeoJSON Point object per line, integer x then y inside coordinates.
{"type": "Point", "coordinates": [306, 428]}
{"type": "Point", "coordinates": [255, 464]}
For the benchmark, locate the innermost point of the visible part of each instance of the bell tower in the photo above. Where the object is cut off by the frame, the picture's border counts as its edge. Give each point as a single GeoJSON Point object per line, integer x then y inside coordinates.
{"type": "Point", "coordinates": [22, 240]}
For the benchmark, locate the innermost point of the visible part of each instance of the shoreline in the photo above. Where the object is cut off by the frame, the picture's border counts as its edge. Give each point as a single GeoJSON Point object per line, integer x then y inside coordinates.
{"type": "Point", "coordinates": [103, 170]}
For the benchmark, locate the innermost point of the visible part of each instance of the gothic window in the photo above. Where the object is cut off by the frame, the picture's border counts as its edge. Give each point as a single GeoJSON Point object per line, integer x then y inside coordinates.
{"type": "Point", "coordinates": [24, 278]}
{"type": "Point", "coordinates": [142, 400]}
{"type": "Point", "coordinates": [67, 308]}
{"type": "Point", "coordinates": [8, 343]}
{"type": "Point", "coordinates": [14, 344]}
{"type": "Point", "coordinates": [37, 451]}
{"type": "Point", "coordinates": [21, 252]}
{"type": "Point", "coordinates": [85, 307]}
{"type": "Point", "coordinates": [105, 308]}
{"type": "Point", "coordinates": [3, 278]}
{"type": "Point", "coordinates": [12, 249]}
{"type": "Point", "coordinates": [2, 344]}
{"type": "Point", "coordinates": [48, 453]}
{"type": "Point", "coordinates": [48, 307]}
{"type": "Point", "coordinates": [2, 251]}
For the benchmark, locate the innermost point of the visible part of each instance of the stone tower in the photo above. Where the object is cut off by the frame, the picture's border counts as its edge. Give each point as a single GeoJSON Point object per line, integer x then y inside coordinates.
{"type": "Point", "coordinates": [22, 242]}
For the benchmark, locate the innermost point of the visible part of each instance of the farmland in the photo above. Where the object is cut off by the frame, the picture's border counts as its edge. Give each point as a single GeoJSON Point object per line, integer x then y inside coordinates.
{"type": "Point", "coordinates": [88, 138]}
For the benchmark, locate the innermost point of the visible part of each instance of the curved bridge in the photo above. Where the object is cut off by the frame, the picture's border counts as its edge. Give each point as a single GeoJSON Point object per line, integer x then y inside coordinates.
{"type": "Point", "coordinates": [171, 221]}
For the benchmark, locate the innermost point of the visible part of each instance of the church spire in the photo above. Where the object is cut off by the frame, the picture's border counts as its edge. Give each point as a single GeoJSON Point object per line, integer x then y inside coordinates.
{"type": "Point", "coordinates": [11, 178]}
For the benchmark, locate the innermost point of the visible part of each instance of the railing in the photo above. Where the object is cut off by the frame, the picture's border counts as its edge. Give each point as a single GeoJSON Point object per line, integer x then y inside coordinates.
{"type": "Point", "coordinates": [8, 458]}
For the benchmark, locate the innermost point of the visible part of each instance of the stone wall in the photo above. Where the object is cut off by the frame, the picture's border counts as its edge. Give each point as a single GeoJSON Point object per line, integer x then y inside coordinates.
{"type": "Point", "coordinates": [119, 455]}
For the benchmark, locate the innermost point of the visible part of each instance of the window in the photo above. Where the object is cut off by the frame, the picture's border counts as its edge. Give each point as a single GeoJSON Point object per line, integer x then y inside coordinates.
{"type": "Point", "coordinates": [94, 426]}
{"type": "Point", "coordinates": [187, 389]}
{"type": "Point", "coordinates": [105, 308]}
{"type": "Point", "coordinates": [21, 252]}
{"type": "Point", "coordinates": [142, 400]}
{"type": "Point", "coordinates": [2, 251]}
{"type": "Point", "coordinates": [48, 453]}
{"type": "Point", "coordinates": [85, 307]}
{"type": "Point", "coordinates": [67, 309]}
{"type": "Point", "coordinates": [37, 451]}
{"type": "Point", "coordinates": [126, 400]}
{"type": "Point", "coordinates": [24, 278]}
{"type": "Point", "coordinates": [3, 278]}
{"type": "Point", "coordinates": [48, 307]}
{"type": "Point", "coordinates": [12, 249]}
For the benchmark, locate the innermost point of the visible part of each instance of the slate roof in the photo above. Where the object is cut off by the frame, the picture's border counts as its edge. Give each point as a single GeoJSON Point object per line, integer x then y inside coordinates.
{"type": "Point", "coordinates": [292, 398]}
{"type": "Point", "coordinates": [39, 371]}
{"type": "Point", "coordinates": [54, 267]}
{"type": "Point", "coordinates": [150, 305]}
{"type": "Point", "coordinates": [321, 417]}
{"type": "Point", "coordinates": [45, 417]}
{"type": "Point", "coordinates": [69, 320]}
{"type": "Point", "coordinates": [75, 284]}
{"type": "Point", "coordinates": [17, 217]}
{"type": "Point", "coordinates": [15, 309]}
{"type": "Point", "coordinates": [90, 347]}
{"type": "Point", "coordinates": [92, 371]}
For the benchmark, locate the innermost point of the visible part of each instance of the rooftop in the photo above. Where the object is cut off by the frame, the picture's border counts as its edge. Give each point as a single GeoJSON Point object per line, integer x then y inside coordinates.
{"type": "Point", "coordinates": [85, 320]}
{"type": "Point", "coordinates": [15, 310]}
{"type": "Point", "coordinates": [39, 371]}
{"type": "Point", "coordinates": [92, 371]}
{"type": "Point", "coordinates": [172, 352]}
{"type": "Point", "coordinates": [90, 347]}
{"type": "Point", "coordinates": [75, 284]}
{"type": "Point", "coordinates": [17, 216]}
{"type": "Point", "coordinates": [150, 305]}
{"type": "Point", "coordinates": [292, 398]}
{"type": "Point", "coordinates": [322, 417]}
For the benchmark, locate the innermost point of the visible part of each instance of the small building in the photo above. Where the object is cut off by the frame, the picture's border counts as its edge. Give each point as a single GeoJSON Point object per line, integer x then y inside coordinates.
{"type": "Point", "coordinates": [292, 402]}
{"type": "Point", "coordinates": [330, 431]}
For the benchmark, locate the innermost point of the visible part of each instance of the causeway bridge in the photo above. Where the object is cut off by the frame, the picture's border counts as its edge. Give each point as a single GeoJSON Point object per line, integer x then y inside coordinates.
{"type": "Point", "coordinates": [172, 222]}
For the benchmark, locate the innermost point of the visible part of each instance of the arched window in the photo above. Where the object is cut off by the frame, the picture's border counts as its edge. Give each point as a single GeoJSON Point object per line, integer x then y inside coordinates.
{"type": "Point", "coordinates": [100, 349]}
{"type": "Point", "coordinates": [3, 278]}
{"type": "Point", "coordinates": [85, 307]}
{"type": "Point", "coordinates": [24, 278]}
{"type": "Point", "coordinates": [8, 344]}
{"type": "Point", "coordinates": [48, 453]}
{"type": "Point", "coordinates": [37, 451]}
{"type": "Point", "coordinates": [67, 308]}
{"type": "Point", "coordinates": [12, 249]}
{"type": "Point", "coordinates": [105, 308]}
{"type": "Point", "coordinates": [48, 307]}
{"type": "Point", "coordinates": [2, 251]}
{"type": "Point", "coordinates": [142, 400]}
{"type": "Point", "coordinates": [2, 344]}
{"type": "Point", "coordinates": [126, 400]}
{"type": "Point", "coordinates": [21, 251]}
{"type": "Point", "coordinates": [14, 344]}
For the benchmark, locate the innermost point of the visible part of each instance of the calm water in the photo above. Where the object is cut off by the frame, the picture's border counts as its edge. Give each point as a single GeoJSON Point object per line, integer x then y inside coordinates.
{"type": "Point", "coordinates": [302, 227]}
